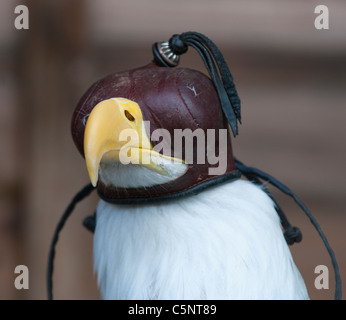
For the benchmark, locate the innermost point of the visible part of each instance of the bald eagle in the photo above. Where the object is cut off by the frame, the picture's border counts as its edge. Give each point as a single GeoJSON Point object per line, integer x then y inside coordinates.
{"type": "Point", "coordinates": [169, 226]}
{"type": "Point", "coordinates": [223, 243]}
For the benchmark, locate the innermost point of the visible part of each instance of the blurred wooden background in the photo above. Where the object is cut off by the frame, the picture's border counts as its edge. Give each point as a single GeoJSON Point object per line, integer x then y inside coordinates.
{"type": "Point", "coordinates": [291, 79]}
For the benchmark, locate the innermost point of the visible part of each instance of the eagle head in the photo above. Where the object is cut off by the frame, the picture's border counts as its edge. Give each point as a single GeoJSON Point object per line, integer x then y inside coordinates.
{"type": "Point", "coordinates": [131, 129]}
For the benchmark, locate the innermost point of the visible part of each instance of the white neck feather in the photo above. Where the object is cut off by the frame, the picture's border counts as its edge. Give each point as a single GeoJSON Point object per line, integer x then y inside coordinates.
{"type": "Point", "coordinates": [134, 176]}
{"type": "Point", "coordinates": [225, 243]}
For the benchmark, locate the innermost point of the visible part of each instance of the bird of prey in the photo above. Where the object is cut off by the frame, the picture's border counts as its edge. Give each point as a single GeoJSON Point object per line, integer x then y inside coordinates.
{"type": "Point", "coordinates": [169, 227]}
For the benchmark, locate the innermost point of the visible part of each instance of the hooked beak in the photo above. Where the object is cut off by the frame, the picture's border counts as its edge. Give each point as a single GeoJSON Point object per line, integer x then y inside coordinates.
{"type": "Point", "coordinates": [106, 139]}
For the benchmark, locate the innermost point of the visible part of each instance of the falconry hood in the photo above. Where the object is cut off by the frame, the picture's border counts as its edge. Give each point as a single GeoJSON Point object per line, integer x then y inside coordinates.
{"type": "Point", "coordinates": [177, 113]}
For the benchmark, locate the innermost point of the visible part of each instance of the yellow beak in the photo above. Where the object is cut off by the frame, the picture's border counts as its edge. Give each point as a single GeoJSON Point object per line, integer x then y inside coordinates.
{"type": "Point", "coordinates": [115, 132]}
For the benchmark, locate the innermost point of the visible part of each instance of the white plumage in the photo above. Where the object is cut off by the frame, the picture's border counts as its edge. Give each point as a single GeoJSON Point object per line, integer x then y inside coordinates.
{"type": "Point", "coordinates": [224, 243]}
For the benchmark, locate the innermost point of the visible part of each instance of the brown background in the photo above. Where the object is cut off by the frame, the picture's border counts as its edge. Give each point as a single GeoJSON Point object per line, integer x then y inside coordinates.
{"type": "Point", "coordinates": [291, 79]}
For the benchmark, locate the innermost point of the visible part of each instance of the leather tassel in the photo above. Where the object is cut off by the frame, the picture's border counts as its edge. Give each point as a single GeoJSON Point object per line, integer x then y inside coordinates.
{"type": "Point", "coordinates": [165, 55]}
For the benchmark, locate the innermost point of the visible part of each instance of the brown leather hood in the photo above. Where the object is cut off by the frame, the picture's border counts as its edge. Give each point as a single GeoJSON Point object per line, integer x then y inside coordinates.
{"type": "Point", "coordinates": [169, 99]}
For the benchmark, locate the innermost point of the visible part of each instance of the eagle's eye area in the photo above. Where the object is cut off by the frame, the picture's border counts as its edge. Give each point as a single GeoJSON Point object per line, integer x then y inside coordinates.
{"type": "Point", "coordinates": [129, 116]}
